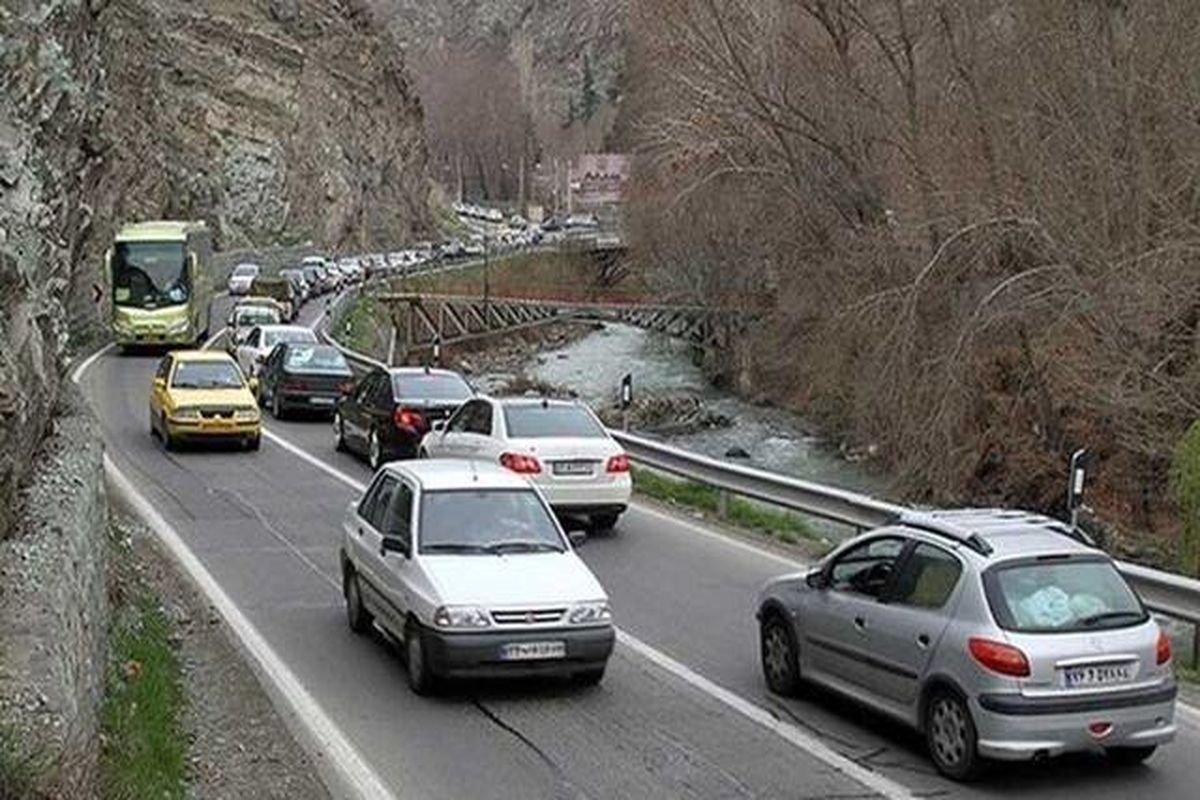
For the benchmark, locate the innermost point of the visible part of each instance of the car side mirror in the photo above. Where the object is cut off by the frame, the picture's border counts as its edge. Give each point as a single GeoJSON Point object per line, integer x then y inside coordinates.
{"type": "Point", "coordinates": [393, 544]}
{"type": "Point", "coordinates": [253, 384]}
{"type": "Point", "coordinates": [817, 579]}
{"type": "Point", "coordinates": [439, 426]}
{"type": "Point", "coordinates": [577, 538]}
{"type": "Point", "coordinates": [160, 383]}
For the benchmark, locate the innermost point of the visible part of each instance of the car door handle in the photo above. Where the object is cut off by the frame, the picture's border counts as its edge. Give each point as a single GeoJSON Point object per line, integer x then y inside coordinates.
{"type": "Point", "coordinates": [860, 623]}
{"type": "Point", "coordinates": [360, 531]}
{"type": "Point", "coordinates": [923, 641]}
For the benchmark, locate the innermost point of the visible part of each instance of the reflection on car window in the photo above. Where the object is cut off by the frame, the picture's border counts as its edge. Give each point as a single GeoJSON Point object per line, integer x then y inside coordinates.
{"type": "Point", "coordinates": [1066, 595]}
{"type": "Point", "coordinates": [322, 358]}
{"type": "Point", "coordinates": [206, 375]}
{"type": "Point", "coordinates": [486, 521]}
{"type": "Point", "coordinates": [865, 569]}
{"type": "Point", "coordinates": [537, 421]}
{"type": "Point", "coordinates": [927, 579]}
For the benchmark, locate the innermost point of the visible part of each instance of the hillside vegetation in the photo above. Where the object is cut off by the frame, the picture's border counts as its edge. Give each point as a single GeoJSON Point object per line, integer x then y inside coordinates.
{"type": "Point", "coordinates": [976, 222]}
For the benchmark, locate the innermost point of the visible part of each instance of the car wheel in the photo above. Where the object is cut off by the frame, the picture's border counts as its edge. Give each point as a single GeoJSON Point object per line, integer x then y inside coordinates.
{"type": "Point", "coordinates": [591, 677]}
{"type": "Point", "coordinates": [169, 441]}
{"type": "Point", "coordinates": [780, 655]}
{"type": "Point", "coordinates": [375, 452]}
{"type": "Point", "coordinates": [1129, 756]}
{"type": "Point", "coordinates": [951, 737]}
{"type": "Point", "coordinates": [420, 677]}
{"type": "Point", "coordinates": [276, 406]}
{"type": "Point", "coordinates": [356, 613]}
{"type": "Point", "coordinates": [604, 522]}
{"type": "Point", "coordinates": [254, 442]}
{"type": "Point", "coordinates": [339, 433]}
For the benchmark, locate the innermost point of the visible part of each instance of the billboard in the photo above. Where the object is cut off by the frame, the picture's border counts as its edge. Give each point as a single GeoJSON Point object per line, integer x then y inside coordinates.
{"type": "Point", "coordinates": [598, 179]}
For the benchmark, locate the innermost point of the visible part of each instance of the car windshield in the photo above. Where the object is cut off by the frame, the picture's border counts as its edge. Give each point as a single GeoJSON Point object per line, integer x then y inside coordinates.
{"type": "Point", "coordinates": [490, 522]}
{"type": "Point", "coordinates": [317, 358]}
{"type": "Point", "coordinates": [149, 274]}
{"type": "Point", "coordinates": [431, 386]}
{"type": "Point", "coordinates": [206, 375]}
{"type": "Point", "coordinates": [245, 270]}
{"type": "Point", "coordinates": [272, 338]}
{"type": "Point", "coordinates": [539, 422]}
{"type": "Point", "coordinates": [255, 315]}
{"type": "Point", "coordinates": [1062, 595]}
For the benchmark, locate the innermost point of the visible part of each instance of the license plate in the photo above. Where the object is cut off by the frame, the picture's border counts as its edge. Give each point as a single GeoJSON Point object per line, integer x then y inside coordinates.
{"type": "Point", "coordinates": [321, 401]}
{"type": "Point", "coordinates": [1097, 675]}
{"type": "Point", "coordinates": [533, 651]}
{"type": "Point", "coordinates": [572, 467]}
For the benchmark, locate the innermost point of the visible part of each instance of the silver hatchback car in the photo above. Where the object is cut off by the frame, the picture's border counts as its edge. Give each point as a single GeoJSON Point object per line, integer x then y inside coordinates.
{"type": "Point", "coordinates": [998, 634]}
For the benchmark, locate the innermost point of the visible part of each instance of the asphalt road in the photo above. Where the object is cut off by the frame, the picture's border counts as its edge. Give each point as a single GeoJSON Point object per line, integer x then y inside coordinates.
{"type": "Point", "coordinates": [266, 526]}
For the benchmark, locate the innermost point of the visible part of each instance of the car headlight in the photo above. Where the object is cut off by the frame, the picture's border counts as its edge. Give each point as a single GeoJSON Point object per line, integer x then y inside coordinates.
{"type": "Point", "coordinates": [187, 413]}
{"type": "Point", "coordinates": [461, 617]}
{"type": "Point", "coordinates": [245, 414]}
{"type": "Point", "coordinates": [593, 613]}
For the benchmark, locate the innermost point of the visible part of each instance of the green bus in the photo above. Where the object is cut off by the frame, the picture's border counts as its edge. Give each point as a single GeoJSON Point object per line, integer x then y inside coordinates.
{"type": "Point", "coordinates": [160, 283]}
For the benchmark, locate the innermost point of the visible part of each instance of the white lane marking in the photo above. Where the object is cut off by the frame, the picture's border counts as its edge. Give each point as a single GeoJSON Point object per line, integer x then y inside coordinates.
{"type": "Point", "coordinates": [213, 339]}
{"type": "Point", "coordinates": [77, 373]}
{"type": "Point", "coordinates": [810, 744]}
{"type": "Point", "coordinates": [790, 733]}
{"type": "Point", "coordinates": [326, 739]}
{"type": "Point", "coordinates": [331, 749]}
{"type": "Point", "coordinates": [728, 541]}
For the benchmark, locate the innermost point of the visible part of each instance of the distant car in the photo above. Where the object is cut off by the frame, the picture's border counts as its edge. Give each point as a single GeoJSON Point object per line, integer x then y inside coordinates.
{"type": "Point", "coordinates": [997, 634]}
{"type": "Point", "coordinates": [279, 289]}
{"type": "Point", "coordinates": [296, 276]}
{"type": "Point", "coordinates": [308, 377]}
{"type": "Point", "coordinates": [246, 316]}
{"type": "Point", "coordinates": [390, 410]}
{"type": "Point", "coordinates": [466, 566]}
{"type": "Point", "coordinates": [559, 445]}
{"type": "Point", "coordinates": [242, 278]}
{"type": "Point", "coordinates": [262, 340]}
{"type": "Point", "coordinates": [317, 279]}
{"type": "Point", "coordinates": [201, 395]}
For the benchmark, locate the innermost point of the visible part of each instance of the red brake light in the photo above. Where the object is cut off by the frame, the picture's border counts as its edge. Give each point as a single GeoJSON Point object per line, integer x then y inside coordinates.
{"type": "Point", "coordinates": [407, 418]}
{"type": "Point", "coordinates": [618, 463]}
{"type": "Point", "coordinates": [1162, 651]}
{"type": "Point", "coordinates": [999, 657]}
{"type": "Point", "coordinates": [519, 463]}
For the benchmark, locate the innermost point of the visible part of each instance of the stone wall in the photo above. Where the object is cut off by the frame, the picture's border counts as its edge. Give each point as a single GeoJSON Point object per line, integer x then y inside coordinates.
{"type": "Point", "coordinates": [54, 609]}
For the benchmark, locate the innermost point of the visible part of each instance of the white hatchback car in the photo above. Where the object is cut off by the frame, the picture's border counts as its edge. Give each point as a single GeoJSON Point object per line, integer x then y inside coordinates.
{"type": "Point", "coordinates": [464, 563]}
{"type": "Point", "coordinates": [559, 445]}
{"type": "Point", "coordinates": [261, 340]}
{"type": "Point", "coordinates": [242, 278]}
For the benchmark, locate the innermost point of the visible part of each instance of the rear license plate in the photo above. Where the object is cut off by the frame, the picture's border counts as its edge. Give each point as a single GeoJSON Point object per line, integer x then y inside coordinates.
{"type": "Point", "coordinates": [533, 651]}
{"type": "Point", "coordinates": [321, 401]}
{"type": "Point", "coordinates": [1097, 675]}
{"type": "Point", "coordinates": [572, 467]}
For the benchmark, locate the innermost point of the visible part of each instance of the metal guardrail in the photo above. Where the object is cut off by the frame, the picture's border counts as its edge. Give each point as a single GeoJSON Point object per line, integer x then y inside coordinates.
{"type": "Point", "coordinates": [1171, 595]}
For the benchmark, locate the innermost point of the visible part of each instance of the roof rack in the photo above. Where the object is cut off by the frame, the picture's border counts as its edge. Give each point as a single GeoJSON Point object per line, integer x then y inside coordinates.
{"type": "Point", "coordinates": [937, 527]}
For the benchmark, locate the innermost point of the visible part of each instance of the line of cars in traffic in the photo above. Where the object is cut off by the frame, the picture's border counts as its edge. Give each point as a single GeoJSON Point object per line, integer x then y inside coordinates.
{"type": "Point", "coordinates": [998, 635]}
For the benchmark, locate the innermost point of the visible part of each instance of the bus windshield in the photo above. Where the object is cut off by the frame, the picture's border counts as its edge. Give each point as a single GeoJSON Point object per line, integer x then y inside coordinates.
{"type": "Point", "coordinates": [149, 274]}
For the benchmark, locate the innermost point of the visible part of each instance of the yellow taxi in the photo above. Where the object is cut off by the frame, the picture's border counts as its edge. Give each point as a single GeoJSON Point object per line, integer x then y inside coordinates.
{"type": "Point", "coordinates": [202, 395]}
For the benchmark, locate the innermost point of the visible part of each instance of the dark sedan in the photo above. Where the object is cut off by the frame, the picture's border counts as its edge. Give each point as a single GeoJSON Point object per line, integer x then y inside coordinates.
{"type": "Point", "coordinates": [303, 376]}
{"type": "Point", "coordinates": [390, 411]}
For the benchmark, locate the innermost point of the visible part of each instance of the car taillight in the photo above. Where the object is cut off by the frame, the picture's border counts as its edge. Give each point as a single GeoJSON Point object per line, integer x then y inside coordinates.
{"type": "Point", "coordinates": [407, 418]}
{"type": "Point", "coordinates": [1162, 650]}
{"type": "Point", "coordinates": [999, 657]}
{"type": "Point", "coordinates": [295, 385]}
{"type": "Point", "coordinates": [520, 463]}
{"type": "Point", "coordinates": [618, 463]}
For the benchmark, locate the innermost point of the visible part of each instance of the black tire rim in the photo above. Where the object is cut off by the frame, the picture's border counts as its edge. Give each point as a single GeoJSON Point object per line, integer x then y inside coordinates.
{"type": "Point", "coordinates": [777, 655]}
{"type": "Point", "coordinates": [948, 731]}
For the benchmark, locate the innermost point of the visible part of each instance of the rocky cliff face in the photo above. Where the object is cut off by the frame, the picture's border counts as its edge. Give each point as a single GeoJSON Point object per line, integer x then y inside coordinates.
{"type": "Point", "coordinates": [274, 120]}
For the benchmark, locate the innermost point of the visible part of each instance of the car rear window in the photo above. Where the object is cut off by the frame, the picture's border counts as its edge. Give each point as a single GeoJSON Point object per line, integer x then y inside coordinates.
{"type": "Point", "coordinates": [245, 269]}
{"type": "Point", "coordinates": [272, 338]}
{"type": "Point", "coordinates": [539, 422]}
{"type": "Point", "coordinates": [256, 316]}
{"type": "Point", "coordinates": [321, 358]}
{"type": "Point", "coordinates": [1060, 595]}
{"type": "Point", "coordinates": [431, 386]}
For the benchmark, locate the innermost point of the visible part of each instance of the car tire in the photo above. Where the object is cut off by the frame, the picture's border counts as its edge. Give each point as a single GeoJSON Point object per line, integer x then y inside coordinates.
{"type": "Point", "coordinates": [780, 655]}
{"type": "Point", "coordinates": [591, 677]}
{"type": "Point", "coordinates": [604, 522]}
{"type": "Point", "coordinates": [254, 442]}
{"type": "Point", "coordinates": [339, 433]}
{"type": "Point", "coordinates": [357, 616]}
{"type": "Point", "coordinates": [1130, 756]}
{"type": "Point", "coordinates": [276, 406]}
{"type": "Point", "coordinates": [951, 737]}
{"type": "Point", "coordinates": [421, 678]}
{"type": "Point", "coordinates": [375, 452]}
{"type": "Point", "coordinates": [169, 441]}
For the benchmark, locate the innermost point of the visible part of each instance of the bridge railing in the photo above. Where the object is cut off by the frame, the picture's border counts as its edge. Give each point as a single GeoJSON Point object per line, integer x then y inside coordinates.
{"type": "Point", "coordinates": [1168, 594]}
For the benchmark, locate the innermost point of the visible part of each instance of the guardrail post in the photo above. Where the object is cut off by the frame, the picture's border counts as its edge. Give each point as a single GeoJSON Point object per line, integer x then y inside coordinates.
{"type": "Point", "coordinates": [1196, 646]}
{"type": "Point", "coordinates": [723, 503]}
